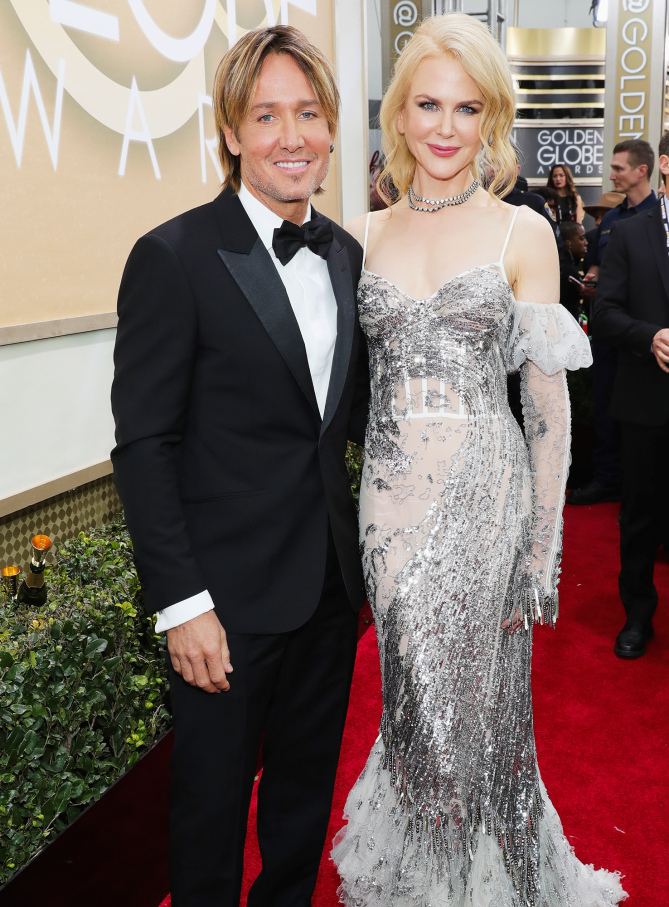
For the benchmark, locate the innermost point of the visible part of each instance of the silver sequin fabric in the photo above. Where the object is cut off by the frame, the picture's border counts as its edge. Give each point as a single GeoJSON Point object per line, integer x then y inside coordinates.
{"type": "Point", "coordinates": [460, 528]}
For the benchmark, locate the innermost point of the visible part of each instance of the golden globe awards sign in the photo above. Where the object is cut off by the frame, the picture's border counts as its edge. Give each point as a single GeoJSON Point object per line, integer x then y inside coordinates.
{"type": "Point", "coordinates": [635, 71]}
{"type": "Point", "coordinates": [580, 147]}
{"type": "Point", "coordinates": [106, 129]}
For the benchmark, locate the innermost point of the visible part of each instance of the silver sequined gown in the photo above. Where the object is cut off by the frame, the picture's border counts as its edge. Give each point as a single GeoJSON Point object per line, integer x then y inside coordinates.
{"type": "Point", "coordinates": [460, 526]}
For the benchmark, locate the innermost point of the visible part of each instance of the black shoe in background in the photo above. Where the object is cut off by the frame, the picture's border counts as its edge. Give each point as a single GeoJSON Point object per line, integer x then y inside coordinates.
{"type": "Point", "coordinates": [632, 639]}
{"type": "Point", "coordinates": [595, 492]}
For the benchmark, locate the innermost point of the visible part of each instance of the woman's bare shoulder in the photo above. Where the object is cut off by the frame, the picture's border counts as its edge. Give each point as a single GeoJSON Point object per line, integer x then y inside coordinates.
{"type": "Point", "coordinates": [533, 258]}
{"type": "Point", "coordinates": [358, 225]}
{"type": "Point", "coordinates": [532, 225]}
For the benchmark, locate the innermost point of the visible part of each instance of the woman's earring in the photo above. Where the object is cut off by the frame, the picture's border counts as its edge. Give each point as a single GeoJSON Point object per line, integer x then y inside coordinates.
{"type": "Point", "coordinates": [331, 147]}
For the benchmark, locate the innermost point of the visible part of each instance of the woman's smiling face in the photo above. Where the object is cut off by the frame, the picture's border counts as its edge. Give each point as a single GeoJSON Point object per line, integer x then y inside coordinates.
{"type": "Point", "coordinates": [441, 117]}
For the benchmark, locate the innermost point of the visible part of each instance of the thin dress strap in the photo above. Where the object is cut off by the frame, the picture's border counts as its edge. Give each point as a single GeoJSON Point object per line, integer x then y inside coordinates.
{"type": "Point", "coordinates": [508, 237]}
{"type": "Point", "coordinates": [364, 247]}
{"type": "Point", "coordinates": [506, 242]}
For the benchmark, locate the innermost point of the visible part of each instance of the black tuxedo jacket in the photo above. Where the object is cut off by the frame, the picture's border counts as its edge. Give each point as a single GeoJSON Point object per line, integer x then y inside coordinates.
{"type": "Point", "coordinates": [631, 306]}
{"type": "Point", "coordinates": [227, 472]}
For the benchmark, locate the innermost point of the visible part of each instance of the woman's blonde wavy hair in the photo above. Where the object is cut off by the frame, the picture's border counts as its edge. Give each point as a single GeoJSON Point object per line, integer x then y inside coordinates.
{"type": "Point", "coordinates": [469, 42]}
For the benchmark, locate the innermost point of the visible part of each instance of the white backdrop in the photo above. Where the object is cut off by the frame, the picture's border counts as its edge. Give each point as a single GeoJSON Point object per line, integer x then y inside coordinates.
{"type": "Point", "coordinates": [56, 415]}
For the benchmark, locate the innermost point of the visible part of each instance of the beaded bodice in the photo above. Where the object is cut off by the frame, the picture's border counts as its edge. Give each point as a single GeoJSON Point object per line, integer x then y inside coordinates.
{"type": "Point", "coordinates": [445, 351]}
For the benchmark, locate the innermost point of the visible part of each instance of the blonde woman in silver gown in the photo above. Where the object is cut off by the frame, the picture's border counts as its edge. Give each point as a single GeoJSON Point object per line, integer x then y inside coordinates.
{"type": "Point", "coordinates": [460, 513]}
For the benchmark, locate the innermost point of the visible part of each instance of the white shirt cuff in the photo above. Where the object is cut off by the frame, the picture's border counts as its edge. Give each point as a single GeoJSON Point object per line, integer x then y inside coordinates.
{"type": "Point", "coordinates": [182, 611]}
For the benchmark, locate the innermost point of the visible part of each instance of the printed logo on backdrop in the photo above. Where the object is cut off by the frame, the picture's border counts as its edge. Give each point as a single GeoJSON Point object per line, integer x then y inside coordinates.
{"type": "Point", "coordinates": [581, 147]}
{"type": "Point", "coordinates": [633, 76]}
{"type": "Point", "coordinates": [56, 28]}
{"type": "Point", "coordinates": [404, 20]}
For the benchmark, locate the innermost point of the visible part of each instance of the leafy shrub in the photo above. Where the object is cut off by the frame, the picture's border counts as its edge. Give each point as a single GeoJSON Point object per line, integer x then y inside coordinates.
{"type": "Point", "coordinates": [83, 688]}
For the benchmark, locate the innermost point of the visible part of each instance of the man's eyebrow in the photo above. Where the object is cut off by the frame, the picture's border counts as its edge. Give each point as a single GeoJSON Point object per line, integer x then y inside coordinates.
{"type": "Point", "coordinates": [268, 105]}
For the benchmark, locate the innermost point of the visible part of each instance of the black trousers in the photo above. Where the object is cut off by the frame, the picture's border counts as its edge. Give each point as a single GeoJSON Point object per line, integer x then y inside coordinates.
{"type": "Point", "coordinates": [293, 688]}
{"type": "Point", "coordinates": [645, 454]}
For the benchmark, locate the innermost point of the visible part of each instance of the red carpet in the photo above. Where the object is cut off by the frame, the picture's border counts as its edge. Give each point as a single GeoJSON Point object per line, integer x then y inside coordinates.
{"type": "Point", "coordinates": [602, 725]}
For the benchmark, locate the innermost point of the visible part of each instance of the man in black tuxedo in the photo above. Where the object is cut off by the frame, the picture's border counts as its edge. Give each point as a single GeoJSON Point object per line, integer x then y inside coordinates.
{"type": "Point", "coordinates": [631, 313]}
{"type": "Point", "coordinates": [240, 374]}
{"type": "Point", "coordinates": [632, 166]}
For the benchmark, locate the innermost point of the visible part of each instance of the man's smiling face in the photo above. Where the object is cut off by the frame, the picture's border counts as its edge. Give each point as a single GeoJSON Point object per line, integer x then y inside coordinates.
{"type": "Point", "coordinates": [284, 142]}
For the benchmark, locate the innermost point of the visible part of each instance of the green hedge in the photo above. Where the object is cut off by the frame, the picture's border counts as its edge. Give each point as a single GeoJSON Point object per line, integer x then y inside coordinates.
{"type": "Point", "coordinates": [82, 691]}
{"type": "Point", "coordinates": [83, 688]}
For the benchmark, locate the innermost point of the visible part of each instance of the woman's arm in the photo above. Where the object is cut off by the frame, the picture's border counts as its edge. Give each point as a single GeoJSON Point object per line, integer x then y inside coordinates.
{"type": "Point", "coordinates": [579, 208]}
{"type": "Point", "coordinates": [532, 258]}
{"type": "Point", "coordinates": [546, 416]}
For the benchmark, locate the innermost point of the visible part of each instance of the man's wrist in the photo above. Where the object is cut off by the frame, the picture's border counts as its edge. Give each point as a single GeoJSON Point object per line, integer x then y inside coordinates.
{"type": "Point", "coordinates": [183, 611]}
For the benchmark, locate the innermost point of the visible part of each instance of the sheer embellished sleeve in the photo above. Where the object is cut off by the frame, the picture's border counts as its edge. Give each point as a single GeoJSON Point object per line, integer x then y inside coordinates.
{"type": "Point", "coordinates": [545, 340]}
{"type": "Point", "coordinates": [548, 336]}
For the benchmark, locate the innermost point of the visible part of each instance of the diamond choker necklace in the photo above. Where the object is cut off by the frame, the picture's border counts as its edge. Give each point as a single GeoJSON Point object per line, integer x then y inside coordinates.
{"type": "Point", "coordinates": [440, 202]}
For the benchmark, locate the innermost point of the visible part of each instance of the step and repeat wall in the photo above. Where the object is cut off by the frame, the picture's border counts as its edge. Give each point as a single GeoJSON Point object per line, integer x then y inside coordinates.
{"type": "Point", "coordinates": [567, 79]}
{"type": "Point", "coordinates": [559, 79]}
{"type": "Point", "coordinates": [106, 129]}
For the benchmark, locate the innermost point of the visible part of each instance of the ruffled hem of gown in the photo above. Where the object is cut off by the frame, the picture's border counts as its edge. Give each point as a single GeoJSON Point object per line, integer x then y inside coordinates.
{"type": "Point", "coordinates": [377, 870]}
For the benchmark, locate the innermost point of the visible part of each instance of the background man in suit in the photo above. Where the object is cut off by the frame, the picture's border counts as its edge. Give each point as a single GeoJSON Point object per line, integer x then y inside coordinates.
{"type": "Point", "coordinates": [631, 169]}
{"type": "Point", "coordinates": [631, 313]}
{"type": "Point", "coordinates": [240, 375]}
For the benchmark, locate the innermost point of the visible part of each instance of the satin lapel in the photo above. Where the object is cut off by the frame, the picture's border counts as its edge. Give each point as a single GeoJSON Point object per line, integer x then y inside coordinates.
{"type": "Point", "coordinates": [658, 241]}
{"type": "Point", "coordinates": [340, 277]}
{"type": "Point", "coordinates": [257, 277]}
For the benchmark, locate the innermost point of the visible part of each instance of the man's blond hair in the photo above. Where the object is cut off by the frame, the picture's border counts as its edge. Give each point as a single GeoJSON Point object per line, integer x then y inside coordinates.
{"type": "Point", "coordinates": [237, 77]}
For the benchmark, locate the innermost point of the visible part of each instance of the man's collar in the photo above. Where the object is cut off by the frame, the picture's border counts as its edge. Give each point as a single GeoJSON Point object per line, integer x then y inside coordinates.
{"type": "Point", "coordinates": [647, 202]}
{"type": "Point", "coordinates": [263, 218]}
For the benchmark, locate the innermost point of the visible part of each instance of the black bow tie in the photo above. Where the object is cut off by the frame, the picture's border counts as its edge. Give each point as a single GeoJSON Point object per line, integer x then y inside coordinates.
{"type": "Point", "coordinates": [289, 238]}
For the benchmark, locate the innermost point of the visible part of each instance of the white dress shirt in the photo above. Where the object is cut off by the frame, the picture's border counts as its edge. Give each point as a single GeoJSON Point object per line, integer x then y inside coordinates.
{"type": "Point", "coordinates": [312, 299]}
